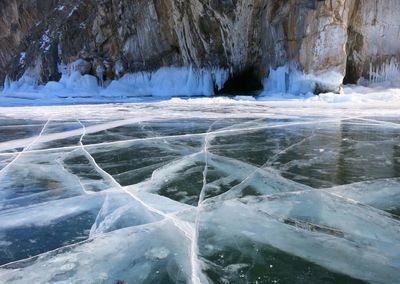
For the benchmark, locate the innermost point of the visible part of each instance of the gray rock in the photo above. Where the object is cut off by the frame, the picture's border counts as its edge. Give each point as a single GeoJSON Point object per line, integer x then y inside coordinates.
{"type": "Point", "coordinates": [342, 36]}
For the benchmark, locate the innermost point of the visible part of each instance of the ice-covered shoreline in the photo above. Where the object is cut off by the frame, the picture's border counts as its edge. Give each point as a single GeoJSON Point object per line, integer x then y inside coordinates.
{"type": "Point", "coordinates": [284, 84]}
{"type": "Point", "coordinates": [351, 96]}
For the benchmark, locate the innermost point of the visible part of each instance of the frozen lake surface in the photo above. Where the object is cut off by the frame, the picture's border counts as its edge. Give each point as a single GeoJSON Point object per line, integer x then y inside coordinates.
{"type": "Point", "coordinates": [200, 191]}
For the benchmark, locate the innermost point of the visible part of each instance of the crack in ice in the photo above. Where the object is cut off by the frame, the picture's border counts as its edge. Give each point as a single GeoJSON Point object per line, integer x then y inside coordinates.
{"type": "Point", "coordinates": [94, 129]}
{"type": "Point", "coordinates": [194, 249]}
{"type": "Point", "coordinates": [275, 182]}
{"type": "Point", "coordinates": [177, 223]}
{"type": "Point", "coordinates": [268, 163]}
{"type": "Point", "coordinates": [25, 150]}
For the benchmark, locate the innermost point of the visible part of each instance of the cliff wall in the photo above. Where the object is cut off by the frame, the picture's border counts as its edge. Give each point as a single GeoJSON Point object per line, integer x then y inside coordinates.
{"type": "Point", "coordinates": [246, 36]}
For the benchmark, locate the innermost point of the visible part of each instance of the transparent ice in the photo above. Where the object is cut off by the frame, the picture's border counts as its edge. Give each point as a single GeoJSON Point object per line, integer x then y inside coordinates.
{"type": "Point", "coordinates": [199, 191]}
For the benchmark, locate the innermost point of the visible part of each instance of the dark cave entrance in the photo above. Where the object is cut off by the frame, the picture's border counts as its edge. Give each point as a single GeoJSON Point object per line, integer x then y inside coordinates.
{"type": "Point", "coordinates": [246, 82]}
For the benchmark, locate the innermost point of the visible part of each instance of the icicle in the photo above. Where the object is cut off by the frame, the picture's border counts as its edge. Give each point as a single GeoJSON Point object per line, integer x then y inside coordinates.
{"type": "Point", "coordinates": [7, 84]}
{"type": "Point", "coordinates": [100, 74]}
{"type": "Point", "coordinates": [388, 71]}
{"type": "Point", "coordinates": [370, 72]}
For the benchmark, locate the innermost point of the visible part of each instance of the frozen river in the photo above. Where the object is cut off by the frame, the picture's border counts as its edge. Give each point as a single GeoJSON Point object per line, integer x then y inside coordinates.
{"type": "Point", "coordinates": [200, 191]}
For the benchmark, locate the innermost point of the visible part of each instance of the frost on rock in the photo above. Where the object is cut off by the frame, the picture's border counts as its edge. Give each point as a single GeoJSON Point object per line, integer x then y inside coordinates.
{"type": "Point", "coordinates": [196, 192]}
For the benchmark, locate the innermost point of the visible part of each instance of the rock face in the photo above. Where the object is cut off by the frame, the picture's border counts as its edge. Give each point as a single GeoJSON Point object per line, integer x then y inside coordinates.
{"type": "Point", "coordinates": [374, 36]}
{"type": "Point", "coordinates": [247, 36]}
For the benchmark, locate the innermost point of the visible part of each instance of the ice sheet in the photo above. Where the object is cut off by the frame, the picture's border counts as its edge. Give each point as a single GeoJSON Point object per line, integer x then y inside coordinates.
{"type": "Point", "coordinates": [199, 191]}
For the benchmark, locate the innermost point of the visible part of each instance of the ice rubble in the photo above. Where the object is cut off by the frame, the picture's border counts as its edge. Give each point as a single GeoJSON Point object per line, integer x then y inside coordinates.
{"type": "Point", "coordinates": [143, 230]}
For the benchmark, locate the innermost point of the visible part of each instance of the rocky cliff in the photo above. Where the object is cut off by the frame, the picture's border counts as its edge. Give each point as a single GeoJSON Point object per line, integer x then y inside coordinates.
{"type": "Point", "coordinates": [246, 36]}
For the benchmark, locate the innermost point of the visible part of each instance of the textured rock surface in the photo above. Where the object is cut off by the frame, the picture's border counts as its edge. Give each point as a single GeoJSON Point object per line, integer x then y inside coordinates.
{"type": "Point", "coordinates": [117, 36]}
{"type": "Point", "coordinates": [374, 36]}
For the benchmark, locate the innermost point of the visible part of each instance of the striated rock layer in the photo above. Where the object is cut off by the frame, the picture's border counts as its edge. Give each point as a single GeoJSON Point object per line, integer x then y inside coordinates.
{"type": "Point", "coordinates": [248, 37]}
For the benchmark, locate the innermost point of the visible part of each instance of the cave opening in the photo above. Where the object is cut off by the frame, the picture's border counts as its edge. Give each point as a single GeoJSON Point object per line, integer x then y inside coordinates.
{"type": "Point", "coordinates": [246, 82]}
{"type": "Point", "coordinates": [351, 76]}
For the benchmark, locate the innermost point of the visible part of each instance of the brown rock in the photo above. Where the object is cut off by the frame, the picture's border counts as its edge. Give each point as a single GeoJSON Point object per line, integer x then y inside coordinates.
{"type": "Point", "coordinates": [128, 36]}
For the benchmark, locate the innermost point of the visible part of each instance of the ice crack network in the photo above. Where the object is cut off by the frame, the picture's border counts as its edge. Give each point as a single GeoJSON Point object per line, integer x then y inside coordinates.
{"type": "Point", "coordinates": [198, 192]}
